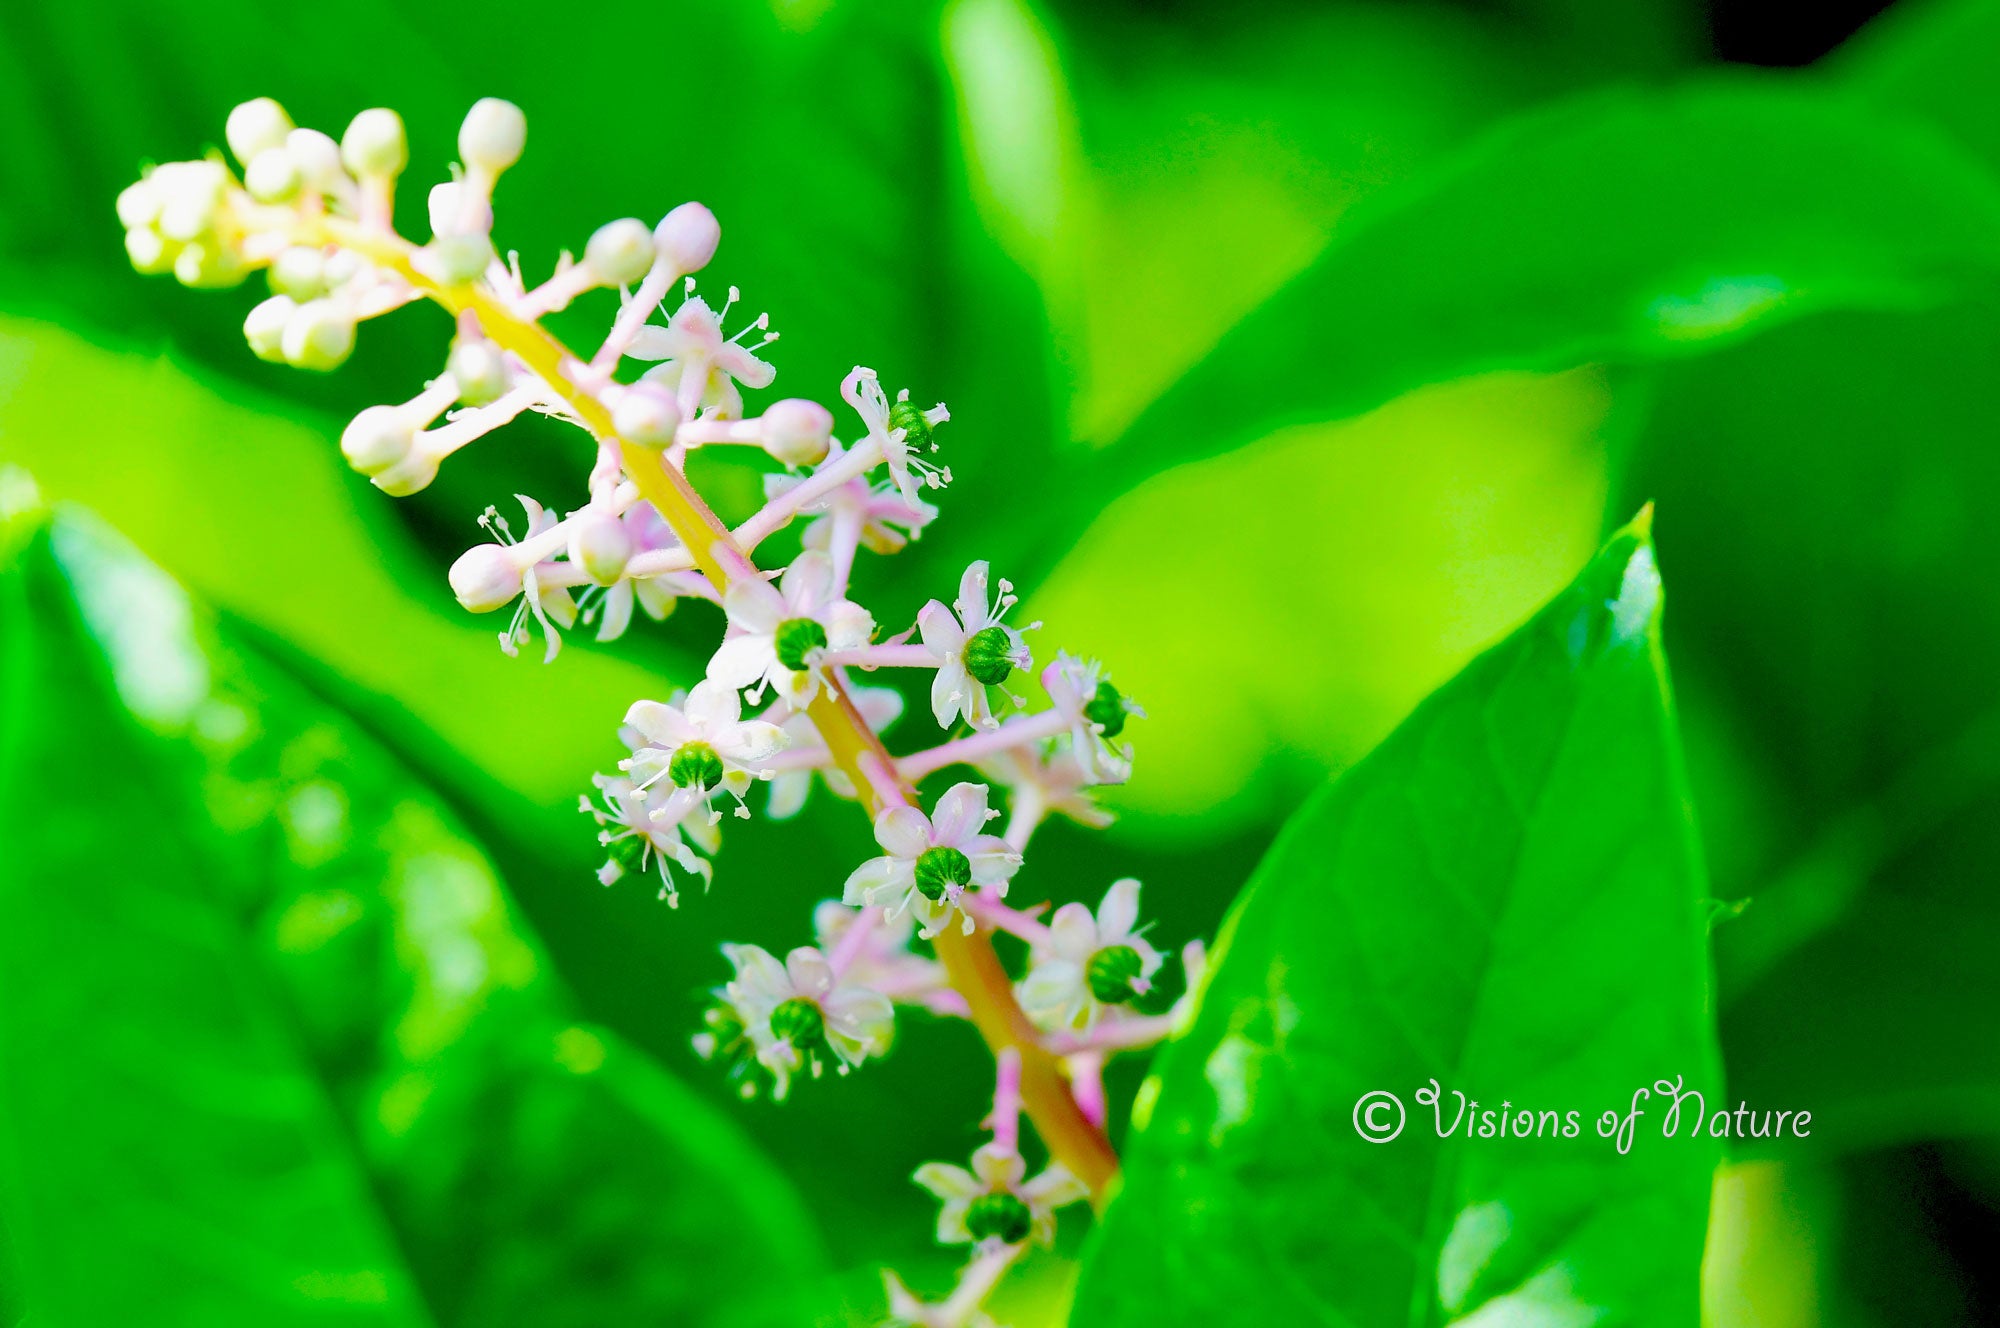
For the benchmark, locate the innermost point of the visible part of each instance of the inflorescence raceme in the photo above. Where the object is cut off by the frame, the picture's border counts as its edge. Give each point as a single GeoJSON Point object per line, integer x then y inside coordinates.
{"type": "Point", "coordinates": [914, 925]}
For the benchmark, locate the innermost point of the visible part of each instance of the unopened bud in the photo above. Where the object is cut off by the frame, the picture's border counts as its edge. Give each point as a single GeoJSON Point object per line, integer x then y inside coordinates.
{"type": "Point", "coordinates": [317, 157]}
{"type": "Point", "coordinates": [192, 194]}
{"type": "Point", "coordinates": [374, 144]}
{"type": "Point", "coordinates": [151, 252]}
{"type": "Point", "coordinates": [797, 432]}
{"type": "Point", "coordinates": [376, 439]}
{"type": "Point", "coordinates": [479, 368]}
{"type": "Point", "coordinates": [255, 127]}
{"type": "Point", "coordinates": [621, 252]}
{"type": "Point", "coordinates": [485, 577]}
{"type": "Point", "coordinates": [299, 272]}
{"type": "Point", "coordinates": [272, 176]}
{"type": "Point", "coordinates": [687, 237]}
{"type": "Point", "coordinates": [318, 336]}
{"type": "Point", "coordinates": [455, 259]}
{"type": "Point", "coordinates": [264, 328]}
{"type": "Point", "coordinates": [647, 415]}
{"type": "Point", "coordinates": [599, 544]}
{"type": "Point", "coordinates": [207, 265]}
{"type": "Point", "coordinates": [492, 136]}
{"type": "Point", "coordinates": [138, 204]}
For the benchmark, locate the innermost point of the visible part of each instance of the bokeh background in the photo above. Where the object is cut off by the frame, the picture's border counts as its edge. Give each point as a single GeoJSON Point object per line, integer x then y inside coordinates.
{"type": "Point", "coordinates": [1282, 505]}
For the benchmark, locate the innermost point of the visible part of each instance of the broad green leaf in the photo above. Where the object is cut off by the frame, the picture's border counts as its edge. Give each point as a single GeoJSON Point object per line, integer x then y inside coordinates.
{"type": "Point", "coordinates": [1506, 898]}
{"type": "Point", "coordinates": [278, 1047]}
{"type": "Point", "coordinates": [1837, 623]}
{"type": "Point", "coordinates": [1621, 227]}
{"type": "Point", "coordinates": [1934, 59]}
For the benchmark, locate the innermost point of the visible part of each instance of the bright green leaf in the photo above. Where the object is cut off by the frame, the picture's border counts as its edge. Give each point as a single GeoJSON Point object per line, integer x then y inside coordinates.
{"type": "Point", "coordinates": [278, 1048]}
{"type": "Point", "coordinates": [1627, 226]}
{"type": "Point", "coordinates": [1505, 897]}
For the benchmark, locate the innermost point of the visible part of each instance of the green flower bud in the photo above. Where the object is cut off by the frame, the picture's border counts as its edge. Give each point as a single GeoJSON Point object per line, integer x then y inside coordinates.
{"type": "Point", "coordinates": [620, 253]}
{"type": "Point", "coordinates": [479, 369]}
{"type": "Point", "coordinates": [318, 336]}
{"type": "Point", "coordinates": [989, 655]}
{"type": "Point", "coordinates": [272, 176]}
{"type": "Point", "coordinates": [374, 144]}
{"type": "Point", "coordinates": [256, 126]}
{"type": "Point", "coordinates": [493, 135]}
{"type": "Point", "coordinates": [799, 1022]}
{"type": "Point", "coordinates": [917, 431]}
{"type": "Point", "coordinates": [1111, 973]}
{"type": "Point", "coordinates": [940, 868]}
{"type": "Point", "coordinates": [646, 414]}
{"type": "Point", "coordinates": [695, 765]}
{"type": "Point", "coordinates": [151, 252]}
{"type": "Point", "coordinates": [795, 638]}
{"type": "Point", "coordinates": [299, 272]}
{"type": "Point", "coordinates": [208, 266]}
{"type": "Point", "coordinates": [454, 259]}
{"type": "Point", "coordinates": [999, 1213]}
{"type": "Point", "coordinates": [1106, 709]}
{"type": "Point", "coordinates": [264, 329]}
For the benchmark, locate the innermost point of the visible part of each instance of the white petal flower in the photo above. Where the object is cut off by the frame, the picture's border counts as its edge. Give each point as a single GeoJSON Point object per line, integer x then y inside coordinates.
{"type": "Point", "coordinates": [701, 366]}
{"type": "Point", "coordinates": [642, 828]}
{"type": "Point", "coordinates": [792, 1012]}
{"type": "Point", "coordinates": [1096, 713]}
{"type": "Point", "coordinates": [892, 428]}
{"type": "Point", "coordinates": [1088, 963]}
{"type": "Point", "coordinates": [1054, 782]}
{"type": "Point", "coordinates": [994, 1202]}
{"type": "Point", "coordinates": [973, 647]}
{"type": "Point", "coordinates": [930, 862]}
{"type": "Point", "coordinates": [485, 576]}
{"type": "Point", "coordinates": [778, 641]}
{"type": "Point", "coordinates": [700, 743]}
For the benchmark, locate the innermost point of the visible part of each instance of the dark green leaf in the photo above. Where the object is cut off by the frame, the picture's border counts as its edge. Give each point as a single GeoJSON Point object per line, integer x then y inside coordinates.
{"type": "Point", "coordinates": [278, 1048]}
{"type": "Point", "coordinates": [1839, 626]}
{"type": "Point", "coordinates": [1505, 897]}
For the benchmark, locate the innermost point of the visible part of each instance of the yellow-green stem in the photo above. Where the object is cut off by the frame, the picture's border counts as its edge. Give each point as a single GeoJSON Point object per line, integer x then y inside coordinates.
{"type": "Point", "coordinates": [970, 962]}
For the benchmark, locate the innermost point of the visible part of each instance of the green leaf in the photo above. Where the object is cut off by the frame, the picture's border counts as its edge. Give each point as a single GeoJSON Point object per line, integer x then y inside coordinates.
{"type": "Point", "coordinates": [1619, 227]}
{"type": "Point", "coordinates": [1506, 898]}
{"type": "Point", "coordinates": [277, 1047]}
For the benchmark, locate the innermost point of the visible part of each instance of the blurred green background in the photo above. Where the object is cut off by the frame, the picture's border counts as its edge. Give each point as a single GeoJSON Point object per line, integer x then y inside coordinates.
{"type": "Point", "coordinates": [1295, 353]}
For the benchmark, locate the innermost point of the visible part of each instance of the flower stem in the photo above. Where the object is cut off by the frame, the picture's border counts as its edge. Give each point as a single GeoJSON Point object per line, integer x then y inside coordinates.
{"type": "Point", "coordinates": [970, 961]}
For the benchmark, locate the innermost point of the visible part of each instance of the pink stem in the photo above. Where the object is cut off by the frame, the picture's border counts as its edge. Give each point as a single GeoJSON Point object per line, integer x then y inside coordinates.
{"type": "Point", "coordinates": [1014, 733]}
{"type": "Point", "coordinates": [853, 939]}
{"type": "Point", "coordinates": [885, 656]}
{"type": "Point", "coordinates": [1007, 1100]}
{"type": "Point", "coordinates": [1086, 1085]}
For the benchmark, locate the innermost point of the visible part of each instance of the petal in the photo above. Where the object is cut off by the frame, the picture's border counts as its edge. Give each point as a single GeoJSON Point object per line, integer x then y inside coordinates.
{"type": "Point", "coordinates": [947, 1181]}
{"type": "Point", "coordinates": [960, 815]}
{"type": "Point", "coordinates": [661, 725]}
{"type": "Point", "coordinates": [1054, 1188]}
{"type": "Point", "coordinates": [617, 611]}
{"type": "Point", "coordinates": [1073, 932]}
{"type": "Point", "coordinates": [752, 610]}
{"type": "Point", "coordinates": [742, 660]}
{"type": "Point", "coordinates": [745, 368]}
{"type": "Point", "coordinates": [788, 794]}
{"type": "Point", "coordinates": [904, 831]}
{"type": "Point", "coordinates": [873, 875]}
{"type": "Point", "coordinates": [1001, 1168]}
{"type": "Point", "coordinates": [948, 693]}
{"type": "Point", "coordinates": [972, 601]}
{"type": "Point", "coordinates": [752, 742]}
{"type": "Point", "coordinates": [993, 863]}
{"type": "Point", "coordinates": [1051, 987]}
{"type": "Point", "coordinates": [652, 342]}
{"type": "Point", "coordinates": [862, 1016]}
{"type": "Point", "coordinates": [810, 974]}
{"type": "Point", "coordinates": [760, 982]}
{"type": "Point", "coordinates": [712, 705]}
{"type": "Point", "coordinates": [880, 706]}
{"type": "Point", "coordinates": [848, 625]}
{"type": "Point", "coordinates": [941, 632]}
{"type": "Point", "coordinates": [807, 583]}
{"type": "Point", "coordinates": [1119, 912]}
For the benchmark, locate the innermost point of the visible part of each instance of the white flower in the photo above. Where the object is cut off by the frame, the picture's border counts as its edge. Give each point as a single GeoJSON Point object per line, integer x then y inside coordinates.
{"type": "Point", "coordinates": [879, 706]}
{"type": "Point", "coordinates": [780, 644]}
{"type": "Point", "coordinates": [882, 959]}
{"type": "Point", "coordinates": [643, 827]}
{"type": "Point", "coordinates": [1037, 785]}
{"type": "Point", "coordinates": [1089, 962]}
{"type": "Point", "coordinates": [892, 426]}
{"type": "Point", "coordinates": [794, 1010]}
{"type": "Point", "coordinates": [887, 520]}
{"type": "Point", "coordinates": [550, 605]}
{"type": "Point", "coordinates": [1096, 713]}
{"type": "Point", "coordinates": [702, 367]}
{"type": "Point", "coordinates": [973, 647]}
{"type": "Point", "coordinates": [930, 864]}
{"type": "Point", "coordinates": [994, 1202]}
{"type": "Point", "coordinates": [701, 742]}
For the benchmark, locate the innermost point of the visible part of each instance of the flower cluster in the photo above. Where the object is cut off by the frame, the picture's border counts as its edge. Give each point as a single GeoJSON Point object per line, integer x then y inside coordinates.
{"type": "Point", "coordinates": [778, 703]}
